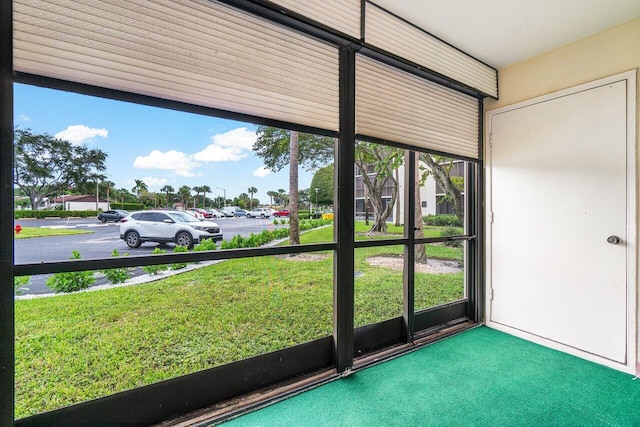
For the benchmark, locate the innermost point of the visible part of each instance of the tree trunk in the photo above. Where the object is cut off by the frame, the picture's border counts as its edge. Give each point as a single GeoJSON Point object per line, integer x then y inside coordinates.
{"type": "Point", "coordinates": [294, 231]}
{"type": "Point", "coordinates": [397, 215]}
{"type": "Point", "coordinates": [380, 212]}
{"type": "Point", "coordinates": [420, 254]}
{"type": "Point", "coordinates": [366, 206]}
{"type": "Point", "coordinates": [441, 175]}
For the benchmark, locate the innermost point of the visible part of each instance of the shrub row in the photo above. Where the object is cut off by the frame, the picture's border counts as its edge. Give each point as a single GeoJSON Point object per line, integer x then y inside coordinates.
{"type": "Point", "coordinates": [130, 206]}
{"type": "Point", "coordinates": [256, 240]}
{"type": "Point", "coordinates": [443, 220]}
{"type": "Point", "coordinates": [49, 213]}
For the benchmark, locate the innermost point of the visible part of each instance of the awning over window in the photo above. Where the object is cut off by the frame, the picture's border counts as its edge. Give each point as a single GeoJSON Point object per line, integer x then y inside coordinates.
{"type": "Point", "coordinates": [199, 52]}
{"type": "Point", "coordinates": [396, 36]}
{"type": "Point", "coordinates": [397, 106]}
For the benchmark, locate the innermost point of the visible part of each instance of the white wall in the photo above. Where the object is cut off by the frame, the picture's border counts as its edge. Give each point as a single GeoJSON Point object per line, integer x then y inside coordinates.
{"type": "Point", "coordinates": [86, 206]}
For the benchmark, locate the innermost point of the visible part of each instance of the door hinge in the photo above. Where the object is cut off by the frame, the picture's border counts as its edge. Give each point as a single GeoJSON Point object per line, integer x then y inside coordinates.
{"type": "Point", "coordinates": [491, 217]}
{"type": "Point", "coordinates": [491, 294]}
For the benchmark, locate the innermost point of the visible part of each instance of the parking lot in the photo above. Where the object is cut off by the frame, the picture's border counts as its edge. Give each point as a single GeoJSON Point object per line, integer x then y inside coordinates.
{"type": "Point", "coordinates": [101, 242]}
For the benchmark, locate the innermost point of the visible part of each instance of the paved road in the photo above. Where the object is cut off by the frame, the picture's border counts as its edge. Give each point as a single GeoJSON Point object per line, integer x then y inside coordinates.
{"type": "Point", "coordinates": [101, 243]}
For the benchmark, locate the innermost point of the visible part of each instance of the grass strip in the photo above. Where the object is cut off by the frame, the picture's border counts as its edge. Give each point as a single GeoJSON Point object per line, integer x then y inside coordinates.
{"type": "Point", "coordinates": [32, 232]}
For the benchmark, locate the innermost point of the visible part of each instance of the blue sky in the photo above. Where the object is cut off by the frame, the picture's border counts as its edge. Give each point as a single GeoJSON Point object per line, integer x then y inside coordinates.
{"type": "Point", "coordinates": [156, 145]}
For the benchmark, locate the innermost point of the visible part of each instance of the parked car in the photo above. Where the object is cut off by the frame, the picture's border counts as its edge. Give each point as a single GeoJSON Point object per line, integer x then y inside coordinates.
{"type": "Point", "coordinates": [114, 215]}
{"type": "Point", "coordinates": [226, 213]}
{"type": "Point", "coordinates": [239, 212]}
{"type": "Point", "coordinates": [167, 227]}
{"type": "Point", "coordinates": [259, 213]}
{"type": "Point", "coordinates": [215, 213]}
{"type": "Point", "coordinates": [205, 214]}
{"type": "Point", "coordinates": [196, 215]}
{"type": "Point", "coordinates": [283, 212]}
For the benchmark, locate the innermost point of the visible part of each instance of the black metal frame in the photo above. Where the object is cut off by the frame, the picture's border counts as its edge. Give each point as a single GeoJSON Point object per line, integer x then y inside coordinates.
{"type": "Point", "coordinates": [157, 402]}
{"type": "Point", "coordinates": [7, 334]}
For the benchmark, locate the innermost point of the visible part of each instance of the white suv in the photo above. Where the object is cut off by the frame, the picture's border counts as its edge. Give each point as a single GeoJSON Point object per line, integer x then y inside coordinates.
{"type": "Point", "coordinates": [259, 213]}
{"type": "Point", "coordinates": [164, 226]}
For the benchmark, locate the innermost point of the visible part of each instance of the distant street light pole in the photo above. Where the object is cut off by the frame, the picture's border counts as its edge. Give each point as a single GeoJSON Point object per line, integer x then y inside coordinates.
{"type": "Point", "coordinates": [225, 196]}
{"type": "Point", "coordinates": [317, 199]}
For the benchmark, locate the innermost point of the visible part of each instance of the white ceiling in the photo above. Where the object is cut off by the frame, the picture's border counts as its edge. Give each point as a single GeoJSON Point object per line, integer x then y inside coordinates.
{"type": "Point", "coordinates": [502, 32]}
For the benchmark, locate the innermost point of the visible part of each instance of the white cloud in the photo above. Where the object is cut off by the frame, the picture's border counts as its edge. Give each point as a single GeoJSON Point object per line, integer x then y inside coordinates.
{"type": "Point", "coordinates": [262, 172]}
{"type": "Point", "coordinates": [215, 153]}
{"type": "Point", "coordinates": [77, 134]}
{"type": "Point", "coordinates": [154, 182]}
{"type": "Point", "coordinates": [24, 118]}
{"type": "Point", "coordinates": [178, 162]}
{"type": "Point", "coordinates": [229, 146]}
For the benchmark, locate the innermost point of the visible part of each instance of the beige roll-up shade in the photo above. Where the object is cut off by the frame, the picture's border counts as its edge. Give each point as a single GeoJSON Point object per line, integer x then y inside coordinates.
{"type": "Point", "coordinates": [342, 15]}
{"type": "Point", "coordinates": [390, 33]}
{"type": "Point", "coordinates": [397, 106]}
{"type": "Point", "coordinates": [195, 51]}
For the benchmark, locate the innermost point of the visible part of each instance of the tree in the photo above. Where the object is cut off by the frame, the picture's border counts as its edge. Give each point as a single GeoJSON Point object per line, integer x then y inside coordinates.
{"type": "Point", "coordinates": [273, 145]}
{"type": "Point", "coordinates": [140, 187]}
{"type": "Point", "coordinates": [185, 195]}
{"type": "Point", "coordinates": [283, 197]}
{"type": "Point", "coordinates": [121, 195]}
{"type": "Point", "coordinates": [420, 250]}
{"type": "Point", "coordinates": [167, 190]}
{"type": "Point", "coordinates": [272, 196]}
{"type": "Point", "coordinates": [45, 165]}
{"type": "Point", "coordinates": [441, 167]}
{"type": "Point", "coordinates": [251, 191]}
{"type": "Point", "coordinates": [280, 147]}
{"type": "Point", "coordinates": [304, 198]}
{"type": "Point", "coordinates": [294, 220]}
{"type": "Point", "coordinates": [106, 187]}
{"type": "Point", "coordinates": [385, 160]}
{"type": "Point", "coordinates": [242, 200]}
{"type": "Point", "coordinates": [205, 189]}
{"type": "Point", "coordinates": [198, 190]}
{"type": "Point", "coordinates": [323, 181]}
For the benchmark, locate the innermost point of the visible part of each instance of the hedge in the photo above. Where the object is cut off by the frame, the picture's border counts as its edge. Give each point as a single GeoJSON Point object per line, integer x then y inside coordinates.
{"type": "Point", "coordinates": [443, 220]}
{"type": "Point", "coordinates": [129, 206]}
{"type": "Point", "coordinates": [51, 213]}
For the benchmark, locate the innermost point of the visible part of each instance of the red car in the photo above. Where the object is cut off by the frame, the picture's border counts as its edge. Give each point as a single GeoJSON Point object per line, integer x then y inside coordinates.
{"type": "Point", "coordinates": [284, 212]}
{"type": "Point", "coordinates": [201, 211]}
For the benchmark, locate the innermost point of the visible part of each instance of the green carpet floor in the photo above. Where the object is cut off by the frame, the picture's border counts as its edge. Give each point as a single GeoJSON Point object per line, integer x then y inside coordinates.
{"type": "Point", "coordinates": [481, 377]}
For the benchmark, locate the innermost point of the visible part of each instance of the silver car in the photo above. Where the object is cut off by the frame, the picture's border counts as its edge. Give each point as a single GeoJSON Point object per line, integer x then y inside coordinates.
{"type": "Point", "coordinates": [164, 226]}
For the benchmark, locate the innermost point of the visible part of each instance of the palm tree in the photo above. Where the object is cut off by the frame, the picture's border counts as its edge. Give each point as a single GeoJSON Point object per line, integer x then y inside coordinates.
{"type": "Point", "coordinates": [185, 194]}
{"type": "Point", "coordinates": [167, 189]}
{"type": "Point", "coordinates": [198, 190]}
{"type": "Point", "coordinates": [272, 195]}
{"type": "Point", "coordinates": [252, 191]}
{"type": "Point", "coordinates": [294, 150]}
{"type": "Point", "coordinates": [140, 186]}
{"type": "Point", "coordinates": [282, 196]}
{"type": "Point", "coordinates": [205, 189]}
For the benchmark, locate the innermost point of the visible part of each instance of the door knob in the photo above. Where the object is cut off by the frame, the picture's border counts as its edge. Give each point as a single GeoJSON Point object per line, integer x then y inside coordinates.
{"type": "Point", "coordinates": [614, 240]}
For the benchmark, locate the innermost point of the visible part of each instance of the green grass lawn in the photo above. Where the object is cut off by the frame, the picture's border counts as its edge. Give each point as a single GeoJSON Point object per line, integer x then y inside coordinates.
{"type": "Point", "coordinates": [72, 348]}
{"type": "Point", "coordinates": [30, 232]}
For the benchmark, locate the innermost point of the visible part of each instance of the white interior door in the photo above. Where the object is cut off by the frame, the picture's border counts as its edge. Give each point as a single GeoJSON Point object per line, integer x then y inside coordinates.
{"type": "Point", "coordinates": [558, 190]}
